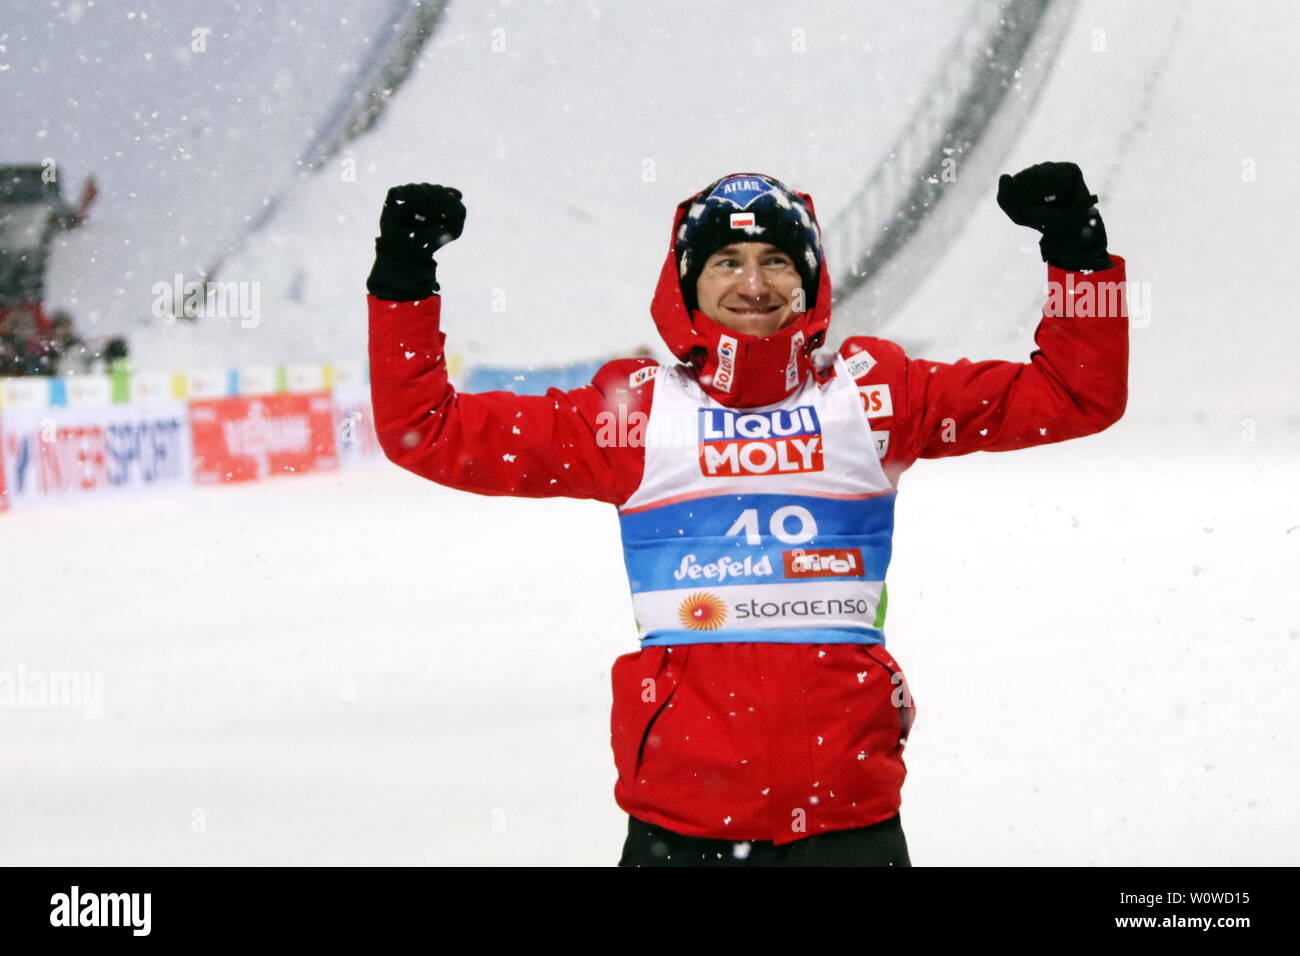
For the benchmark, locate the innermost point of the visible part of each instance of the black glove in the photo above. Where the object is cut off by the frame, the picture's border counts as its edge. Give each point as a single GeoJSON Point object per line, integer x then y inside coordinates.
{"type": "Point", "coordinates": [1052, 198]}
{"type": "Point", "coordinates": [418, 220]}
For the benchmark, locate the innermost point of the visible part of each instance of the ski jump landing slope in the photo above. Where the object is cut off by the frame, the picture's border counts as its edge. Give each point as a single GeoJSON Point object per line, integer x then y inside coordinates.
{"type": "Point", "coordinates": [573, 131]}
{"type": "Point", "coordinates": [193, 117]}
{"type": "Point", "coordinates": [1177, 113]}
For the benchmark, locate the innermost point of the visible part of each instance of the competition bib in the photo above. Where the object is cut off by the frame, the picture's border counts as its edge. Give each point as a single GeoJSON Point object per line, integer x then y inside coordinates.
{"type": "Point", "coordinates": [770, 524]}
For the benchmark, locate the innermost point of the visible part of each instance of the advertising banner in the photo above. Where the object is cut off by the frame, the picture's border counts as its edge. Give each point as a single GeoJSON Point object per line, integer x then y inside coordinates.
{"type": "Point", "coordinates": [67, 453]}
{"type": "Point", "coordinates": [241, 438]}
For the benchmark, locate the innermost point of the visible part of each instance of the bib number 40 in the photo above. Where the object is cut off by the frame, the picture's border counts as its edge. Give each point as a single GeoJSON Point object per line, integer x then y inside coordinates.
{"type": "Point", "coordinates": [791, 524]}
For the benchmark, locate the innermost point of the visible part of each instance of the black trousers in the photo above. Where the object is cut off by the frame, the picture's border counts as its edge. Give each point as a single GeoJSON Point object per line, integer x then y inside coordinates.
{"type": "Point", "coordinates": [881, 844]}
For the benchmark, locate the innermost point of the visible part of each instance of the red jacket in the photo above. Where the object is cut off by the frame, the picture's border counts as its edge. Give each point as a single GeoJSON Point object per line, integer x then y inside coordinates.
{"type": "Point", "coordinates": [747, 740]}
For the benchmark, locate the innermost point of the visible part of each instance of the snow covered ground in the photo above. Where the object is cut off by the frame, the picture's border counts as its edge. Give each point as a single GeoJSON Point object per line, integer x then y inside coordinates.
{"type": "Point", "coordinates": [368, 668]}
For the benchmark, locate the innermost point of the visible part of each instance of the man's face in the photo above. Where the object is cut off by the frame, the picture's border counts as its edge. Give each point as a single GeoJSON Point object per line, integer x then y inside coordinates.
{"type": "Point", "coordinates": [750, 287]}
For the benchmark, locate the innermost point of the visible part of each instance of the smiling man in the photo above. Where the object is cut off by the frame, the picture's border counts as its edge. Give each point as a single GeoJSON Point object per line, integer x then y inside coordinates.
{"type": "Point", "coordinates": [751, 287]}
{"type": "Point", "coordinates": [761, 721]}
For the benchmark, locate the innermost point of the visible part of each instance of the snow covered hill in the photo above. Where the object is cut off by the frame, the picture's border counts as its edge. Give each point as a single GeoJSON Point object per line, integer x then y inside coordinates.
{"type": "Point", "coordinates": [192, 116]}
{"type": "Point", "coordinates": [1171, 109]}
{"type": "Point", "coordinates": [573, 130]}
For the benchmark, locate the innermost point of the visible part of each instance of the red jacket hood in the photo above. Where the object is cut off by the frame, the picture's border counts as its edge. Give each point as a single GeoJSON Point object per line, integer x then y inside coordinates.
{"type": "Point", "coordinates": [736, 369]}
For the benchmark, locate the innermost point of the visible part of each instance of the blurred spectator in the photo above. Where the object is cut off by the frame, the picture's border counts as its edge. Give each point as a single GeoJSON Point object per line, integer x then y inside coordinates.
{"type": "Point", "coordinates": [115, 353]}
{"type": "Point", "coordinates": [21, 343]}
{"type": "Point", "coordinates": [31, 213]}
{"type": "Point", "coordinates": [65, 346]}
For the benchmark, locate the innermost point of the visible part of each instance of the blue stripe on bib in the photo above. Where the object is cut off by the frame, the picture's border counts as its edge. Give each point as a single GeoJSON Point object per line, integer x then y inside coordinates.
{"type": "Point", "coordinates": [686, 544]}
{"type": "Point", "coordinates": [800, 635]}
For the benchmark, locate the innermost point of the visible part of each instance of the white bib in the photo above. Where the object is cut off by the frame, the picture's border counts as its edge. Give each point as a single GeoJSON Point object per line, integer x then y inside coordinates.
{"type": "Point", "coordinates": [765, 524]}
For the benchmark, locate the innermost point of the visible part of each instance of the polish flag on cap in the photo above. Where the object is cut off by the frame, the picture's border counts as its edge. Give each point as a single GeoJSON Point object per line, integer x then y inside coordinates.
{"type": "Point", "coordinates": [739, 220]}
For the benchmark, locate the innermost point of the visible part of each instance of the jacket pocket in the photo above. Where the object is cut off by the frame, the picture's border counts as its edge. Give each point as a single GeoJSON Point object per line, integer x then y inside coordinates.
{"type": "Point", "coordinates": [900, 696]}
{"type": "Point", "coordinates": [644, 683]}
{"type": "Point", "coordinates": [649, 728]}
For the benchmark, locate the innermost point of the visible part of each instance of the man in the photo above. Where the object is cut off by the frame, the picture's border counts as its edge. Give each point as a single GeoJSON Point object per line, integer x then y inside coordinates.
{"type": "Point", "coordinates": [31, 213]}
{"type": "Point", "coordinates": [762, 721]}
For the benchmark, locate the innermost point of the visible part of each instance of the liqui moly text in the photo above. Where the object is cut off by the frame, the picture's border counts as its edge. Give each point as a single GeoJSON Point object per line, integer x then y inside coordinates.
{"type": "Point", "coordinates": [783, 441]}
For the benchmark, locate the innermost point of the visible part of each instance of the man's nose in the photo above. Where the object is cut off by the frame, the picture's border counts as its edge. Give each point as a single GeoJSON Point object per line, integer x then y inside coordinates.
{"type": "Point", "coordinates": [753, 280]}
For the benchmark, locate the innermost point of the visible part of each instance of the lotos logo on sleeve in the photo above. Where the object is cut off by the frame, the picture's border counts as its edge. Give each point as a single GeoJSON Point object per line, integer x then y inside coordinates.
{"type": "Point", "coordinates": [876, 401]}
{"type": "Point", "coordinates": [735, 443]}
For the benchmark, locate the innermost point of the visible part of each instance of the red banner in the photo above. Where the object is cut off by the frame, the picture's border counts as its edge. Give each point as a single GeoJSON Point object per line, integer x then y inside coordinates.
{"type": "Point", "coordinates": [239, 438]}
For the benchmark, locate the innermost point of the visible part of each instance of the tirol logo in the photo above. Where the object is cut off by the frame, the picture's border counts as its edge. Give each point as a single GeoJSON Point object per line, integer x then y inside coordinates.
{"type": "Point", "coordinates": [823, 563]}
{"type": "Point", "coordinates": [784, 441]}
{"type": "Point", "coordinates": [702, 611]}
{"type": "Point", "coordinates": [740, 190]}
{"type": "Point", "coordinates": [726, 374]}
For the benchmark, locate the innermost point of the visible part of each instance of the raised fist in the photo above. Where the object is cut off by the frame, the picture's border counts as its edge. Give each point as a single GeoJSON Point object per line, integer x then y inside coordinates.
{"type": "Point", "coordinates": [1053, 198]}
{"type": "Point", "coordinates": [418, 220]}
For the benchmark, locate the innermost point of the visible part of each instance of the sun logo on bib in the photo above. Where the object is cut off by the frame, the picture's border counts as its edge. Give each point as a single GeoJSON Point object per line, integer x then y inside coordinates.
{"type": "Point", "coordinates": [702, 611]}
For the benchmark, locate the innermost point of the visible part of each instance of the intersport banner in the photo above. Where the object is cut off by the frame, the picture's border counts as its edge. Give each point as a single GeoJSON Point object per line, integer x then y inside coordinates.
{"type": "Point", "coordinates": [50, 454]}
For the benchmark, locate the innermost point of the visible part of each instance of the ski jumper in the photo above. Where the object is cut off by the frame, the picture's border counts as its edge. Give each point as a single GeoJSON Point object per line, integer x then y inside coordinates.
{"type": "Point", "coordinates": [761, 702]}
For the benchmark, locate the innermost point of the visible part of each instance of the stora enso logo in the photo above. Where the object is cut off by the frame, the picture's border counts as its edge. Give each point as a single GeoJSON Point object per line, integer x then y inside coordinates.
{"type": "Point", "coordinates": [785, 441]}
